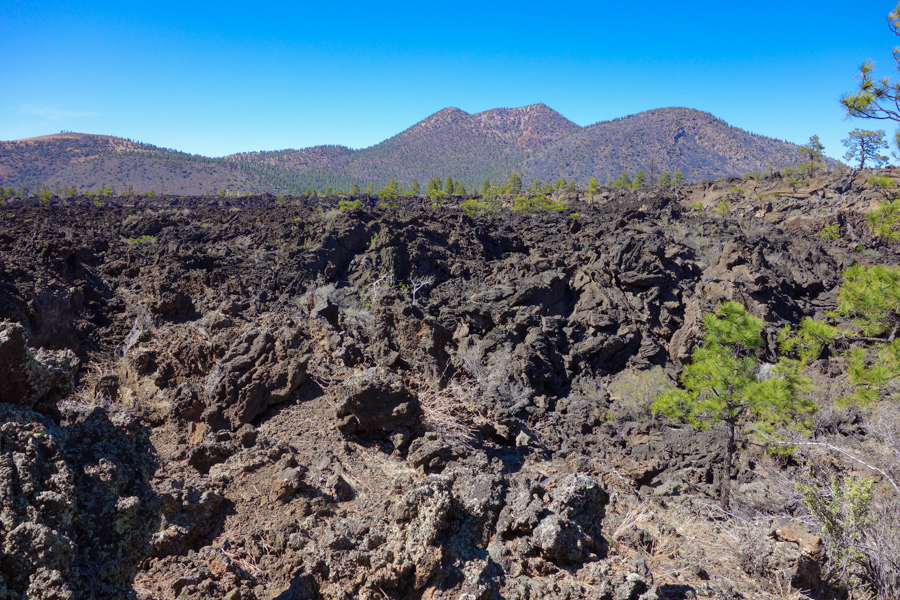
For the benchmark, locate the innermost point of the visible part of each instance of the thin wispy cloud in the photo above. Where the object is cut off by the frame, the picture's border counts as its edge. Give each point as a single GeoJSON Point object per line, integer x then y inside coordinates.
{"type": "Point", "coordinates": [54, 113]}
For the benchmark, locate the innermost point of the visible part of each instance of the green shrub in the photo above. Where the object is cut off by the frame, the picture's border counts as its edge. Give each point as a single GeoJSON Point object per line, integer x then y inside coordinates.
{"type": "Point", "coordinates": [528, 205]}
{"type": "Point", "coordinates": [632, 393]}
{"type": "Point", "coordinates": [720, 385]}
{"type": "Point", "coordinates": [883, 184]}
{"type": "Point", "coordinates": [474, 206]}
{"type": "Point", "coordinates": [722, 208]}
{"type": "Point", "coordinates": [844, 511]}
{"type": "Point", "coordinates": [830, 232]}
{"type": "Point", "coordinates": [349, 204]}
{"type": "Point", "coordinates": [885, 221]}
{"type": "Point", "coordinates": [144, 239]}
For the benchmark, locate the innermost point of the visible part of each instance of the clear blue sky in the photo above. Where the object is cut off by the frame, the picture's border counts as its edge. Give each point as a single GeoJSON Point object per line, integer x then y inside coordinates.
{"type": "Point", "coordinates": [216, 77]}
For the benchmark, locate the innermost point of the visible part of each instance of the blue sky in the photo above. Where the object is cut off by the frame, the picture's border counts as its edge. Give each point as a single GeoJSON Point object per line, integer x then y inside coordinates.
{"type": "Point", "coordinates": [217, 78]}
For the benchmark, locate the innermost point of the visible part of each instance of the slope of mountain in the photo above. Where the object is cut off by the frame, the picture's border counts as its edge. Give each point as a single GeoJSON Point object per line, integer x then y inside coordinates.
{"type": "Point", "coordinates": [317, 167]}
{"type": "Point", "coordinates": [453, 142]}
{"type": "Point", "coordinates": [535, 141]}
{"type": "Point", "coordinates": [667, 139]}
{"type": "Point", "coordinates": [470, 147]}
{"type": "Point", "coordinates": [91, 161]}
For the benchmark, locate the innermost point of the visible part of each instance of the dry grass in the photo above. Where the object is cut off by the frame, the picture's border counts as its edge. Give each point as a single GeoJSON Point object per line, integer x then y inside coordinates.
{"type": "Point", "coordinates": [683, 539]}
{"type": "Point", "coordinates": [94, 389]}
{"type": "Point", "coordinates": [633, 392]}
{"type": "Point", "coordinates": [450, 411]}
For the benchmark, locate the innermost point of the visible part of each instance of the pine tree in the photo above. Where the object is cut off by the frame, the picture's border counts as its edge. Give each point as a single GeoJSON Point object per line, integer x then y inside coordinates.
{"type": "Point", "coordinates": [370, 188]}
{"type": "Point", "coordinates": [391, 191]}
{"type": "Point", "coordinates": [639, 179]}
{"type": "Point", "coordinates": [812, 157]}
{"type": "Point", "coordinates": [665, 179]}
{"type": "Point", "coordinates": [678, 179]}
{"type": "Point", "coordinates": [513, 184]}
{"type": "Point", "coordinates": [622, 181]}
{"type": "Point", "coordinates": [721, 385]}
{"type": "Point", "coordinates": [434, 191]}
{"type": "Point", "coordinates": [414, 188]}
{"type": "Point", "coordinates": [354, 189]}
{"type": "Point", "coordinates": [863, 145]}
{"type": "Point", "coordinates": [877, 98]}
{"type": "Point", "coordinates": [870, 298]}
{"type": "Point", "coordinates": [593, 186]}
{"type": "Point", "coordinates": [448, 187]}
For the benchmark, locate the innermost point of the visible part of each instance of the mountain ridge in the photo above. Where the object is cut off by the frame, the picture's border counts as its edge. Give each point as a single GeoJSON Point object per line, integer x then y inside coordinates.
{"type": "Point", "coordinates": [534, 140]}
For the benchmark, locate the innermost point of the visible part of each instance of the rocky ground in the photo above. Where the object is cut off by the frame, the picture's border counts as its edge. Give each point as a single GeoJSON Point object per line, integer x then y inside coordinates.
{"type": "Point", "coordinates": [246, 399]}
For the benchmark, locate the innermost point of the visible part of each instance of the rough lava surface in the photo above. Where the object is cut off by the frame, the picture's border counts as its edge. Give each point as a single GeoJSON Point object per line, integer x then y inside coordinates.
{"type": "Point", "coordinates": [243, 400]}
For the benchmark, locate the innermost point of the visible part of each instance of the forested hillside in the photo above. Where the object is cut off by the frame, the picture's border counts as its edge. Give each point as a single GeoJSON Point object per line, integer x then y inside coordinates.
{"type": "Point", "coordinates": [88, 162]}
{"type": "Point", "coordinates": [695, 143]}
{"type": "Point", "coordinates": [534, 141]}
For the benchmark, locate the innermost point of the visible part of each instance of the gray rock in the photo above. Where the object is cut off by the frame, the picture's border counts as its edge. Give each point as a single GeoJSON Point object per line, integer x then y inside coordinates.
{"type": "Point", "coordinates": [258, 371]}
{"type": "Point", "coordinates": [561, 539]}
{"type": "Point", "coordinates": [29, 377]}
{"type": "Point", "coordinates": [430, 452]}
{"type": "Point", "coordinates": [783, 554]}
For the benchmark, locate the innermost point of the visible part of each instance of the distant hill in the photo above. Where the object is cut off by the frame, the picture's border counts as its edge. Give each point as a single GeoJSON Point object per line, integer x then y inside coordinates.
{"type": "Point", "coordinates": [535, 141]}
{"type": "Point", "coordinates": [92, 161]}
{"type": "Point", "coordinates": [667, 139]}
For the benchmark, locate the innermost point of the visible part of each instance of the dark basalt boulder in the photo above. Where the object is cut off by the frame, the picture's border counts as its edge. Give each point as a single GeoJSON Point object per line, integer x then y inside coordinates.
{"type": "Point", "coordinates": [260, 369]}
{"type": "Point", "coordinates": [33, 377]}
{"type": "Point", "coordinates": [377, 406]}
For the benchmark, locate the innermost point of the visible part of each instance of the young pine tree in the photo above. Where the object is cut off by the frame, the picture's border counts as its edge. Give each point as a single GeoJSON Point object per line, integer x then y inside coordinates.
{"type": "Point", "coordinates": [391, 191]}
{"type": "Point", "coordinates": [622, 181]}
{"type": "Point", "coordinates": [812, 157]}
{"type": "Point", "coordinates": [639, 179]}
{"type": "Point", "coordinates": [513, 184]}
{"type": "Point", "coordinates": [721, 386]}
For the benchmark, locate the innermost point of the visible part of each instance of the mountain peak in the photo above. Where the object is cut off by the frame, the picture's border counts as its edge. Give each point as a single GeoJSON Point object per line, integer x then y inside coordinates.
{"type": "Point", "coordinates": [533, 140]}
{"type": "Point", "coordinates": [450, 110]}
